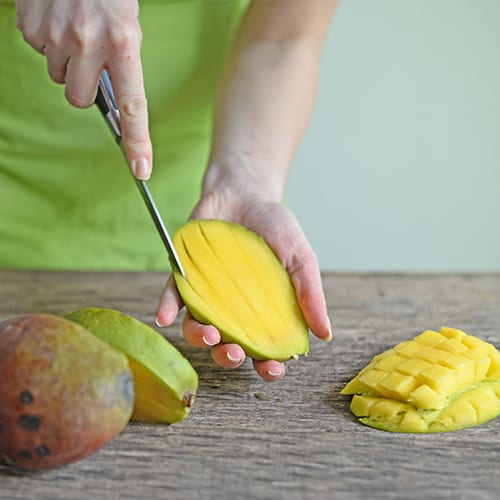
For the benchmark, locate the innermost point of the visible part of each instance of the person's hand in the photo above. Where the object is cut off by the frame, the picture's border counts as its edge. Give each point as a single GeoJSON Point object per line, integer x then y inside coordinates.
{"type": "Point", "coordinates": [80, 38]}
{"type": "Point", "coordinates": [279, 228]}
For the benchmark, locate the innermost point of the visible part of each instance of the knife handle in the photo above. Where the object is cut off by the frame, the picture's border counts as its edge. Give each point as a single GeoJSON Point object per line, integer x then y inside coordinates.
{"type": "Point", "coordinates": [105, 101]}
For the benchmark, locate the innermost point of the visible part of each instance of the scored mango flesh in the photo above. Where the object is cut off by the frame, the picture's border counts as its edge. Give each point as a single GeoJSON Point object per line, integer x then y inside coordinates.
{"type": "Point", "coordinates": [235, 282]}
{"type": "Point", "coordinates": [437, 382]}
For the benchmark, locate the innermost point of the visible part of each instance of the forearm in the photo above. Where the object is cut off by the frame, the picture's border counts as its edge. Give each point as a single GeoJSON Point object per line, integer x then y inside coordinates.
{"type": "Point", "coordinates": [260, 116]}
{"type": "Point", "coordinates": [264, 104]}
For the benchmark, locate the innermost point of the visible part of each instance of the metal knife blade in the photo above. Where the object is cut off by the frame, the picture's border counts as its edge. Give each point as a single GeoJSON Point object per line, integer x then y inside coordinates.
{"type": "Point", "coordinates": [105, 101]}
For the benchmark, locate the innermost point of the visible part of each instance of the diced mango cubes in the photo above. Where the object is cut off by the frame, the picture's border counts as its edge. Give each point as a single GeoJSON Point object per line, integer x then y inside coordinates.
{"type": "Point", "coordinates": [439, 381]}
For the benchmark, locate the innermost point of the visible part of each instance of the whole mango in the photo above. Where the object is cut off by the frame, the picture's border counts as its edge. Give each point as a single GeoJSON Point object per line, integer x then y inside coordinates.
{"type": "Point", "coordinates": [64, 393]}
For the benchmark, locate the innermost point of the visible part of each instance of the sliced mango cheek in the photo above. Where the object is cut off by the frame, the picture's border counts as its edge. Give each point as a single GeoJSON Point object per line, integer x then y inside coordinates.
{"type": "Point", "coordinates": [235, 282]}
{"type": "Point", "coordinates": [437, 382]}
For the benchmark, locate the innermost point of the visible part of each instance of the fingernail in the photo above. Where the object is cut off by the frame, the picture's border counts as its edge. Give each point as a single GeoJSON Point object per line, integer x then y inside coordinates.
{"type": "Point", "coordinates": [274, 373]}
{"type": "Point", "coordinates": [330, 333]}
{"type": "Point", "coordinates": [141, 169]}
{"type": "Point", "coordinates": [207, 342]}
{"type": "Point", "coordinates": [232, 358]}
{"type": "Point", "coordinates": [158, 324]}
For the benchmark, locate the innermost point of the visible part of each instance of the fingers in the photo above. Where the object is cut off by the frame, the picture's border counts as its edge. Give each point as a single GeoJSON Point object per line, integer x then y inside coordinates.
{"type": "Point", "coordinates": [227, 356]}
{"type": "Point", "coordinates": [79, 40]}
{"type": "Point", "coordinates": [301, 263]}
{"type": "Point", "coordinates": [232, 356]}
{"type": "Point", "coordinates": [57, 62]}
{"type": "Point", "coordinates": [125, 69]}
{"type": "Point", "coordinates": [198, 334]}
{"type": "Point", "coordinates": [81, 76]}
{"type": "Point", "coordinates": [270, 370]}
{"type": "Point", "coordinates": [305, 275]}
{"type": "Point", "coordinates": [127, 78]}
{"type": "Point", "coordinates": [169, 305]}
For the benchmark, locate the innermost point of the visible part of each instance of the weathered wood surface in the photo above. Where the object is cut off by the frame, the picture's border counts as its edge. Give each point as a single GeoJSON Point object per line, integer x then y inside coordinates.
{"type": "Point", "coordinates": [294, 439]}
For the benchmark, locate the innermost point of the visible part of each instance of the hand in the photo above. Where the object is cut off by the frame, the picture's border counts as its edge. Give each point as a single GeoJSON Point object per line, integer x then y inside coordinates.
{"type": "Point", "coordinates": [80, 38]}
{"type": "Point", "coordinates": [279, 228]}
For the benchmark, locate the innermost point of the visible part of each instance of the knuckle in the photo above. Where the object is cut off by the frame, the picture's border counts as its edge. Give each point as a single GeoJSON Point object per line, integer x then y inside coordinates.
{"type": "Point", "coordinates": [84, 34]}
{"type": "Point", "coordinates": [54, 38]}
{"type": "Point", "coordinates": [78, 100]}
{"type": "Point", "coordinates": [137, 147]}
{"type": "Point", "coordinates": [32, 37]}
{"type": "Point", "coordinates": [82, 37]}
{"type": "Point", "coordinates": [133, 106]}
{"type": "Point", "coordinates": [123, 38]}
{"type": "Point", "coordinates": [303, 259]}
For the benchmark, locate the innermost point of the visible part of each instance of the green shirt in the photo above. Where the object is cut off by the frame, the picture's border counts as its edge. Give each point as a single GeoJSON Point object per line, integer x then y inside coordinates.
{"type": "Point", "coordinates": [67, 198]}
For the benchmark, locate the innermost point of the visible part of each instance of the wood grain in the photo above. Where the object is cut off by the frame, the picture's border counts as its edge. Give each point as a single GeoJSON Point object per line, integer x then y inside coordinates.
{"type": "Point", "coordinates": [294, 439]}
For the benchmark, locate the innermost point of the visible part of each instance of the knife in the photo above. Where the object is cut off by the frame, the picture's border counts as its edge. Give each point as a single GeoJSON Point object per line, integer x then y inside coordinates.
{"type": "Point", "coordinates": [105, 101]}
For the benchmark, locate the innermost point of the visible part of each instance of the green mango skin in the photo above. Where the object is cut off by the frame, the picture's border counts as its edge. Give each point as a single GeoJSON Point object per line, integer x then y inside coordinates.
{"type": "Point", "coordinates": [64, 393]}
{"type": "Point", "coordinates": [147, 347]}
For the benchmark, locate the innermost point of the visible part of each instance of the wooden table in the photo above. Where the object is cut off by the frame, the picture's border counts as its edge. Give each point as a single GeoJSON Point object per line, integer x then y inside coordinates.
{"type": "Point", "coordinates": [294, 439]}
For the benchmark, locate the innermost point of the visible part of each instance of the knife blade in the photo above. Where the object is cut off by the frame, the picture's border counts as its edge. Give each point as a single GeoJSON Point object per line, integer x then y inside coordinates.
{"type": "Point", "coordinates": [105, 101]}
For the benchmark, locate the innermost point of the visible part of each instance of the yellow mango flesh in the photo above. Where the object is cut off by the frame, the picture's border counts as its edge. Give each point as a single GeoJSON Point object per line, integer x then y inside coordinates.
{"type": "Point", "coordinates": [235, 282]}
{"type": "Point", "coordinates": [439, 381]}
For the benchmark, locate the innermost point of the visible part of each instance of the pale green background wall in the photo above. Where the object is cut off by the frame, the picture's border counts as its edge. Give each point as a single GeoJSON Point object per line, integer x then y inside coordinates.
{"type": "Point", "coordinates": [400, 169]}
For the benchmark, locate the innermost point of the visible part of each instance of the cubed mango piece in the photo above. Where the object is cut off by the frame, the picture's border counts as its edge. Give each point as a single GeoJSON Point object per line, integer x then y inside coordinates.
{"type": "Point", "coordinates": [439, 381]}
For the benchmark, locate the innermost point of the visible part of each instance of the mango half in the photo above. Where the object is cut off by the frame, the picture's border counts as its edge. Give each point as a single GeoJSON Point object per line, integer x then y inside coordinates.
{"type": "Point", "coordinates": [235, 282]}
{"type": "Point", "coordinates": [64, 393]}
{"type": "Point", "coordinates": [437, 382]}
{"type": "Point", "coordinates": [165, 381]}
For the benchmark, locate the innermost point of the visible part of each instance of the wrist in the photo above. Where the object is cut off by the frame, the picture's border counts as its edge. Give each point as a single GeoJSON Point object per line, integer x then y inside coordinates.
{"type": "Point", "coordinates": [238, 177]}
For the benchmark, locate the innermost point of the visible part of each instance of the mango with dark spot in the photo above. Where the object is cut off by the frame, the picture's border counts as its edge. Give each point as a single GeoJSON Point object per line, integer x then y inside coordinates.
{"type": "Point", "coordinates": [64, 393]}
